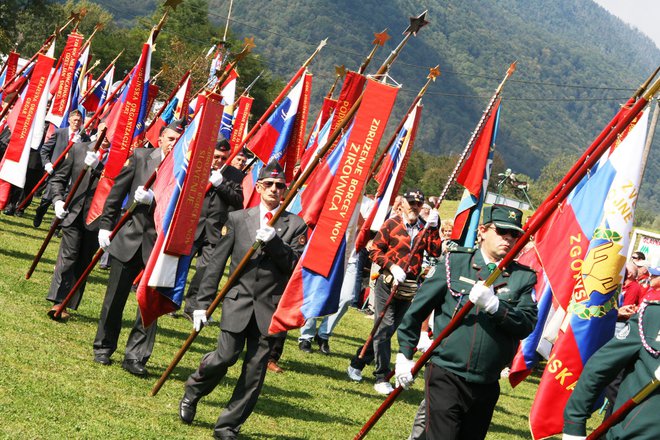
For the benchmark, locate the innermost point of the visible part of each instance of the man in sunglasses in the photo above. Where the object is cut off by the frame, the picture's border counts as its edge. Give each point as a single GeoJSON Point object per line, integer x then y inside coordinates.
{"type": "Point", "coordinates": [462, 377]}
{"type": "Point", "coordinates": [249, 306]}
{"type": "Point", "coordinates": [391, 250]}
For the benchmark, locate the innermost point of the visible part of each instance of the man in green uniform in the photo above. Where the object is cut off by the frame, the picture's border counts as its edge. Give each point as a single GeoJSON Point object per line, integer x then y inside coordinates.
{"type": "Point", "coordinates": [462, 385]}
{"type": "Point", "coordinates": [635, 349]}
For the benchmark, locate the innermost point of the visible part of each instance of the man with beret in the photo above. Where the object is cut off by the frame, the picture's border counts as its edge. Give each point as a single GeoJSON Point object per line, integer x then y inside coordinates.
{"type": "Point", "coordinates": [79, 239]}
{"type": "Point", "coordinates": [462, 385]}
{"type": "Point", "coordinates": [249, 306]}
{"type": "Point", "coordinates": [225, 195]}
{"type": "Point", "coordinates": [636, 351]}
{"type": "Point", "coordinates": [391, 249]}
{"type": "Point", "coordinates": [130, 250]}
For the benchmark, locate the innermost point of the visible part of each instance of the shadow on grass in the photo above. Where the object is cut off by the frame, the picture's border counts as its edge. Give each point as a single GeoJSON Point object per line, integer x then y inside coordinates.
{"type": "Point", "coordinates": [26, 256]}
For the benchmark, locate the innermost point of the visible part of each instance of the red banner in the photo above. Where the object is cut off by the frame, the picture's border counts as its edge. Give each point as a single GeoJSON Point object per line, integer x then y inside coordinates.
{"type": "Point", "coordinates": [151, 96]}
{"type": "Point", "coordinates": [35, 90]}
{"type": "Point", "coordinates": [68, 61]}
{"type": "Point", "coordinates": [295, 148]}
{"type": "Point", "coordinates": [350, 91]}
{"type": "Point", "coordinates": [12, 65]}
{"type": "Point", "coordinates": [241, 120]}
{"type": "Point", "coordinates": [121, 137]}
{"type": "Point", "coordinates": [189, 206]}
{"type": "Point", "coordinates": [344, 194]}
{"type": "Point", "coordinates": [329, 105]}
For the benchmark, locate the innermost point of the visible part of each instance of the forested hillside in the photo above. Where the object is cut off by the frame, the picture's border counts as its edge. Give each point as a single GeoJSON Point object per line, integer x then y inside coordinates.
{"type": "Point", "coordinates": [576, 64]}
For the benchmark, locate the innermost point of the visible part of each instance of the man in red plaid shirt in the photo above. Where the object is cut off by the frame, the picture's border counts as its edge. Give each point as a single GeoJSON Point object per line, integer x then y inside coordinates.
{"type": "Point", "coordinates": [391, 250]}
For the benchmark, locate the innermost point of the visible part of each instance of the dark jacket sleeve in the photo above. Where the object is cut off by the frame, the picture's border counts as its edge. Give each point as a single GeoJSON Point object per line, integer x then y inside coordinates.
{"type": "Point", "coordinates": [120, 189]}
{"type": "Point", "coordinates": [518, 318]}
{"type": "Point", "coordinates": [59, 181]}
{"type": "Point", "coordinates": [286, 255]}
{"type": "Point", "coordinates": [46, 150]}
{"type": "Point", "coordinates": [215, 269]}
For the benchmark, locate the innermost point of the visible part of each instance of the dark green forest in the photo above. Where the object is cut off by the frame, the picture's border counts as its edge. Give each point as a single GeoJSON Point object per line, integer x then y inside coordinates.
{"type": "Point", "coordinates": [575, 65]}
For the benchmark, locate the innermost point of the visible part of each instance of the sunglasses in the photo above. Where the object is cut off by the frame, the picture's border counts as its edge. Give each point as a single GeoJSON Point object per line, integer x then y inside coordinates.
{"type": "Point", "coordinates": [413, 203]}
{"type": "Point", "coordinates": [269, 183]}
{"type": "Point", "coordinates": [502, 232]}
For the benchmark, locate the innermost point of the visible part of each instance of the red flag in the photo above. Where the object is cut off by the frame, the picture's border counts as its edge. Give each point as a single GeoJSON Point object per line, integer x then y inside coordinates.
{"type": "Point", "coordinates": [344, 194]}
{"type": "Point", "coordinates": [295, 148]}
{"type": "Point", "coordinates": [350, 91]}
{"type": "Point", "coordinates": [241, 120]}
{"type": "Point", "coordinates": [61, 85]}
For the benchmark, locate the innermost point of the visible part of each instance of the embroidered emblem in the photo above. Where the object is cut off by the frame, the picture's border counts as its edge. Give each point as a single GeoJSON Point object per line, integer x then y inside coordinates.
{"type": "Point", "coordinates": [302, 240]}
{"type": "Point", "coordinates": [223, 231]}
{"type": "Point", "coordinates": [623, 333]}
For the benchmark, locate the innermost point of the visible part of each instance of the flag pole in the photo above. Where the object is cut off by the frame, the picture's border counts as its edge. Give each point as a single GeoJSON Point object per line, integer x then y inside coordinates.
{"type": "Point", "coordinates": [67, 202]}
{"type": "Point", "coordinates": [101, 76]}
{"type": "Point", "coordinates": [627, 406]}
{"type": "Point", "coordinates": [169, 98]}
{"type": "Point", "coordinates": [379, 41]}
{"type": "Point", "coordinates": [61, 157]}
{"type": "Point", "coordinates": [450, 181]}
{"type": "Point", "coordinates": [566, 185]}
{"type": "Point", "coordinates": [416, 24]}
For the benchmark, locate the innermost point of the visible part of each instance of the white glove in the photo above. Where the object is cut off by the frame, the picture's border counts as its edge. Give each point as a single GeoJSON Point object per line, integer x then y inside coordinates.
{"type": "Point", "coordinates": [433, 219]}
{"type": "Point", "coordinates": [398, 273]}
{"type": "Point", "coordinates": [572, 437]}
{"type": "Point", "coordinates": [92, 159]}
{"type": "Point", "coordinates": [60, 212]}
{"type": "Point", "coordinates": [199, 319]}
{"type": "Point", "coordinates": [265, 234]}
{"type": "Point", "coordinates": [49, 168]}
{"type": "Point", "coordinates": [424, 342]}
{"type": "Point", "coordinates": [143, 196]}
{"type": "Point", "coordinates": [484, 297]}
{"type": "Point", "coordinates": [104, 238]}
{"type": "Point", "coordinates": [216, 178]}
{"type": "Point", "coordinates": [403, 371]}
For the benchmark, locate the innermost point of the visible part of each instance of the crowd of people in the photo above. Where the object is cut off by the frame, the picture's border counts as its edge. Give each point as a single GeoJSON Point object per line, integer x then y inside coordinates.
{"type": "Point", "coordinates": [410, 277]}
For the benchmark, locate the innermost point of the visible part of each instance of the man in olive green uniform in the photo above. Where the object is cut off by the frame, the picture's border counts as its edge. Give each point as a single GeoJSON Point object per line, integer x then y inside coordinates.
{"type": "Point", "coordinates": [636, 349]}
{"type": "Point", "coordinates": [462, 385]}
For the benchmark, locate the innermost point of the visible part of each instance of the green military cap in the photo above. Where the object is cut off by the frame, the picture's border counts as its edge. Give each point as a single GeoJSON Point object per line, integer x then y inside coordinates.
{"type": "Point", "coordinates": [504, 217]}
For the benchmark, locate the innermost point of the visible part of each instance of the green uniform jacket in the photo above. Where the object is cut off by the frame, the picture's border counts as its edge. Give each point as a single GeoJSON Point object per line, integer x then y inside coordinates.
{"type": "Point", "coordinates": [624, 351]}
{"type": "Point", "coordinates": [483, 344]}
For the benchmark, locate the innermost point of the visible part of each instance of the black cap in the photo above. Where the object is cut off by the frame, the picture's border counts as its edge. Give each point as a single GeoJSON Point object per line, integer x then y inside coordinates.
{"type": "Point", "coordinates": [223, 145]}
{"type": "Point", "coordinates": [245, 152]}
{"type": "Point", "coordinates": [414, 195]}
{"type": "Point", "coordinates": [272, 170]}
{"type": "Point", "coordinates": [504, 217]}
{"type": "Point", "coordinates": [177, 125]}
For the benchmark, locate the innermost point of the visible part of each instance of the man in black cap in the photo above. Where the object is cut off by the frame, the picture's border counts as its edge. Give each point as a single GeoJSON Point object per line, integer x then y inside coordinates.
{"type": "Point", "coordinates": [391, 249]}
{"type": "Point", "coordinates": [249, 306]}
{"type": "Point", "coordinates": [130, 250]}
{"type": "Point", "coordinates": [462, 385]}
{"type": "Point", "coordinates": [225, 195]}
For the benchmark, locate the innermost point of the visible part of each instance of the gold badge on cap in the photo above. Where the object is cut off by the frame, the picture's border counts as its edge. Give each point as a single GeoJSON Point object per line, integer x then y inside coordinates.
{"type": "Point", "coordinates": [512, 214]}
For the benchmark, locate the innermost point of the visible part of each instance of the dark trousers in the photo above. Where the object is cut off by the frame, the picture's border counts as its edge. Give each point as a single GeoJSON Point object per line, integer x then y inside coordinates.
{"type": "Point", "coordinates": [205, 252]}
{"type": "Point", "coordinates": [381, 348]}
{"type": "Point", "coordinates": [77, 248]}
{"type": "Point", "coordinates": [277, 346]}
{"type": "Point", "coordinates": [457, 409]}
{"type": "Point", "coordinates": [214, 367]}
{"type": "Point", "coordinates": [35, 170]}
{"type": "Point", "coordinates": [141, 340]}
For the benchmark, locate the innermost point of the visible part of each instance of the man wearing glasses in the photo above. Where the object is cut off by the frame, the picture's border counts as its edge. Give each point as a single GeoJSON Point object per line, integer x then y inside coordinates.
{"type": "Point", "coordinates": [462, 377]}
{"type": "Point", "coordinates": [248, 307]}
{"type": "Point", "coordinates": [391, 250]}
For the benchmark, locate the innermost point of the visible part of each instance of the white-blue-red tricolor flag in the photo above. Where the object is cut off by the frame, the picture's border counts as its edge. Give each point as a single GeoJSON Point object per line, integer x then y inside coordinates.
{"type": "Point", "coordinates": [314, 286]}
{"type": "Point", "coordinates": [583, 250]}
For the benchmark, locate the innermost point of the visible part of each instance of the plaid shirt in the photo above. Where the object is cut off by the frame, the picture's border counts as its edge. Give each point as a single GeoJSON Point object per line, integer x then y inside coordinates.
{"type": "Point", "coordinates": [392, 246]}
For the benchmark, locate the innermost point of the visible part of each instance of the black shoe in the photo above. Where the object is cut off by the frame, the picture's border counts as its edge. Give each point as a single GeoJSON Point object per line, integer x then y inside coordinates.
{"type": "Point", "coordinates": [187, 410]}
{"type": "Point", "coordinates": [305, 345]}
{"type": "Point", "coordinates": [225, 436]}
{"type": "Point", "coordinates": [39, 214]}
{"type": "Point", "coordinates": [324, 346]}
{"type": "Point", "coordinates": [102, 358]}
{"type": "Point", "coordinates": [10, 210]}
{"type": "Point", "coordinates": [134, 366]}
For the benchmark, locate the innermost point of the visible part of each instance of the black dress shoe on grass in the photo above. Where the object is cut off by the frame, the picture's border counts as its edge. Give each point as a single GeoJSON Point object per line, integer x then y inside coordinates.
{"type": "Point", "coordinates": [324, 346]}
{"type": "Point", "coordinates": [134, 367]}
{"type": "Point", "coordinates": [305, 345]}
{"type": "Point", "coordinates": [187, 410]}
{"type": "Point", "coordinates": [102, 359]}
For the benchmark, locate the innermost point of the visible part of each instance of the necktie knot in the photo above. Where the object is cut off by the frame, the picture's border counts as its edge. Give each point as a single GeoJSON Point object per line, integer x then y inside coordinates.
{"type": "Point", "coordinates": [269, 216]}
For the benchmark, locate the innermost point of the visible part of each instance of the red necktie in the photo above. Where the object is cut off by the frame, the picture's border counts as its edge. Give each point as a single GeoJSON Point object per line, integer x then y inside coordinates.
{"type": "Point", "coordinates": [269, 216]}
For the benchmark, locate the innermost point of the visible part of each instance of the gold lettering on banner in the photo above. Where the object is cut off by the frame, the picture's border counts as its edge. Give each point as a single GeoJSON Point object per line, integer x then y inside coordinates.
{"type": "Point", "coordinates": [30, 108]}
{"type": "Point", "coordinates": [563, 375]}
{"type": "Point", "coordinates": [68, 70]}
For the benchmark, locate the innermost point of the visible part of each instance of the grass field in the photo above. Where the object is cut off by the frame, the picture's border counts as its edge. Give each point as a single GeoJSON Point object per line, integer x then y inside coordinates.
{"type": "Point", "coordinates": [50, 388]}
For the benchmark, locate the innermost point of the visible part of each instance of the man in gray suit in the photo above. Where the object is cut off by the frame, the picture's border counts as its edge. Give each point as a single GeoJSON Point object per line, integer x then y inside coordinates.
{"type": "Point", "coordinates": [249, 306]}
{"type": "Point", "coordinates": [130, 250]}
{"type": "Point", "coordinates": [50, 151]}
{"type": "Point", "coordinates": [79, 240]}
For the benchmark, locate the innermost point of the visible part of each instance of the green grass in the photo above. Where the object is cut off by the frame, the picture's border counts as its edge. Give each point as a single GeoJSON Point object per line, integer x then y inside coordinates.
{"type": "Point", "coordinates": [50, 388]}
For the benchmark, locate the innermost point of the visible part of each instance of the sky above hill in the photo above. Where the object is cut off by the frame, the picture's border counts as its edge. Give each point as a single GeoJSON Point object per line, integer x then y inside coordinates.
{"type": "Point", "coordinates": [642, 14]}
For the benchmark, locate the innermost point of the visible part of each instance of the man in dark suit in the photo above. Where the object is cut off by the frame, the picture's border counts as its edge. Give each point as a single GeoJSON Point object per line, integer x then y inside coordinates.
{"type": "Point", "coordinates": [50, 151]}
{"type": "Point", "coordinates": [79, 240]}
{"type": "Point", "coordinates": [225, 195]}
{"type": "Point", "coordinates": [249, 306]}
{"type": "Point", "coordinates": [130, 251]}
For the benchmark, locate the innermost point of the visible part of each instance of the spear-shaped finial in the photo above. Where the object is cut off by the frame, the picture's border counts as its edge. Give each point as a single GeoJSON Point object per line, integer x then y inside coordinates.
{"type": "Point", "coordinates": [318, 49]}
{"type": "Point", "coordinates": [340, 72]}
{"type": "Point", "coordinates": [249, 45]}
